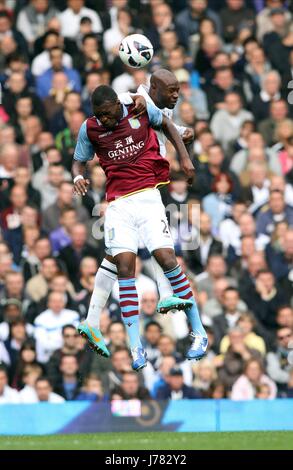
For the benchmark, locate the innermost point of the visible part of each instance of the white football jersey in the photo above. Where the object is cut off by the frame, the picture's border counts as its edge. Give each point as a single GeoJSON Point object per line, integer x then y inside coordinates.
{"type": "Point", "coordinates": [143, 90]}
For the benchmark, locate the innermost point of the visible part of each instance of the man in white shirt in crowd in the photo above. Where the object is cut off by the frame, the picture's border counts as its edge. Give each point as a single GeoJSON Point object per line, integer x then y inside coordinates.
{"type": "Point", "coordinates": [70, 18]}
{"type": "Point", "coordinates": [44, 392]}
{"type": "Point", "coordinates": [42, 62]}
{"type": "Point", "coordinates": [7, 394]}
{"type": "Point", "coordinates": [49, 325]}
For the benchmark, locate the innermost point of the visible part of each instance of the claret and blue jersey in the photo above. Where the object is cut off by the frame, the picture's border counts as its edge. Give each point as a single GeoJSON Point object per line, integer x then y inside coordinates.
{"type": "Point", "coordinates": [129, 154]}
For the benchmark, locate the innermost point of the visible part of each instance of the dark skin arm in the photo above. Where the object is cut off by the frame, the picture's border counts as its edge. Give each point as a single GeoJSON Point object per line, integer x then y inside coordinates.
{"type": "Point", "coordinates": [172, 134]}
{"type": "Point", "coordinates": [140, 105]}
{"type": "Point", "coordinates": [80, 187]}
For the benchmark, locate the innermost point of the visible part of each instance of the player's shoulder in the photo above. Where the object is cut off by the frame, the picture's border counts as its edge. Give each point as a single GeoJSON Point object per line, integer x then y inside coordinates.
{"type": "Point", "coordinates": [89, 123]}
{"type": "Point", "coordinates": [168, 113]}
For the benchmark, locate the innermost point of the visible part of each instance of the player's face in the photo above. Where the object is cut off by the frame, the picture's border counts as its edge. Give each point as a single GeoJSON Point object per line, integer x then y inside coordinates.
{"type": "Point", "coordinates": [109, 114]}
{"type": "Point", "coordinates": [169, 94]}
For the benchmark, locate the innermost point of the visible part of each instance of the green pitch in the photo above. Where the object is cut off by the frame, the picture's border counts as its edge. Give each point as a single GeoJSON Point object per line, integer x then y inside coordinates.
{"type": "Point", "coordinates": [152, 441]}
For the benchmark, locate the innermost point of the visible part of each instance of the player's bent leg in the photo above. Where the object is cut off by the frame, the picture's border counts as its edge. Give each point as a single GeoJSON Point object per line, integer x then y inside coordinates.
{"type": "Point", "coordinates": [168, 301]}
{"type": "Point", "coordinates": [181, 288]}
{"type": "Point", "coordinates": [90, 328]}
{"type": "Point", "coordinates": [173, 301]}
{"type": "Point", "coordinates": [129, 306]}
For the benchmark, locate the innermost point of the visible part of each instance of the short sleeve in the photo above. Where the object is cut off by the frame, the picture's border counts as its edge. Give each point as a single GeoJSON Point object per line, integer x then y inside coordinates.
{"type": "Point", "coordinates": [125, 98]}
{"type": "Point", "coordinates": [84, 150]}
{"type": "Point", "coordinates": [155, 115]}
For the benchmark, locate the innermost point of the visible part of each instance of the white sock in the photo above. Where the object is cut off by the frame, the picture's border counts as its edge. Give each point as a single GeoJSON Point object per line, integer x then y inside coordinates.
{"type": "Point", "coordinates": [164, 286]}
{"type": "Point", "coordinates": [104, 281]}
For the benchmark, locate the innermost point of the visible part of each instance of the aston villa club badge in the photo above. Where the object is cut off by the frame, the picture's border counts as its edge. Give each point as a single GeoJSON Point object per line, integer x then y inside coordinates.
{"type": "Point", "coordinates": [134, 123]}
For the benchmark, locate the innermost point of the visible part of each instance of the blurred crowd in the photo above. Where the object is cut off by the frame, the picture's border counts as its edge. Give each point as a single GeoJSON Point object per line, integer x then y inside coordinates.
{"type": "Point", "coordinates": [234, 62]}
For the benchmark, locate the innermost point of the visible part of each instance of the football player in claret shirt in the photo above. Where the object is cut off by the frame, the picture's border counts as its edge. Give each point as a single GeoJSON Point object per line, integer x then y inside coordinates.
{"type": "Point", "coordinates": [163, 93]}
{"type": "Point", "coordinates": [128, 151]}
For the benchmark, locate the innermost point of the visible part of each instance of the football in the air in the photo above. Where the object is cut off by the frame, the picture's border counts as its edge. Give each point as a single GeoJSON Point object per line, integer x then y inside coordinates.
{"type": "Point", "coordinates": [136, 51]}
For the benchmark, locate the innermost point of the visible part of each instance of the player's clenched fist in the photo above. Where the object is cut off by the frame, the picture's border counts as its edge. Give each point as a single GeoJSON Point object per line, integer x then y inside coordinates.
{"type": "Point", "coordinates": [189, 170]}
{"type": "Point", "coordinates": [80, 186]}
{"type": "Point", "coordinates": [140, 105]}
{"type": "Point", "coordinates": [188, 136]}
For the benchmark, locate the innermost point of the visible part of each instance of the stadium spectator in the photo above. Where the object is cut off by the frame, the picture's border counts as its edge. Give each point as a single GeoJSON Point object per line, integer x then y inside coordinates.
{"type": "Point", "coordinates": [30, 374]}
{"type": "Point", "coordinates": [162, 20]}
{"type": "Point", "coordinates": [246, 386]}
{"type": "Point", "coordinates": [226, 123]}
{"type": "Point", "coordinates": [215, 269]}
{"type": "Point", "coordinates": [175, 389]}
{"type": "Point", "coordinates": [247, 324]}
{"type": "Point", "coordinates": [209, 245]}
{"type": "Point", "coordinates": [130, 389]}
{"type": "Point", "coordinates": [75, 11]}
{"type": "Point", "coordinates": [32, 20]}
{"type": "Point", "coordinates": [60, 238]}
{"type": "Point", "coordinates": [278, 362]}
{"type": "Point", "coordinates": [267, 127]}
{"type": "Point", "coordinates": [44, 81]}
{"type": "Point", "coordinates": [37, 286]}
{"type": "Point", "coordinates": [266, 298]}
{"type": "Point", "coordinates": [242, 158]}
{"type": "Point", "coordinates": [49, 339]}
{"type": "Point", "coordinates": [234, 14]}
{"type": "Point", "coordinates": [66, 139]}
{"type": "Point", "coordinates": [92, 389]}
{"type": "Point", "coordinates": [229, 316]}
{"type": "Point", "coordinates": [72, 254]}
{"type": "Point", "coordinates": [8, 395]}
{"type": "Point", "coordinates": [70, 346]}
{"type": "Point", "coordinates": [222, 83]}
{"type": "Point", "coordinates": [68, 385]}
{"type": "Point", "coordinates": [65, 198]}
{"type": "Point", "coordinates": [27, 359]}
{"type": "Point", "coordinates": [44, 392]}
{"type": "Point", "coordinates": [276, 211]}
{"type": "Point", "coordinates": [152, 334]}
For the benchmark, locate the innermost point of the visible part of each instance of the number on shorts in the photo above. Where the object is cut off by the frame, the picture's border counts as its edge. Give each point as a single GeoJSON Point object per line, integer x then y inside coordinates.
{"type": "Point", "coordinates": [165, 229]}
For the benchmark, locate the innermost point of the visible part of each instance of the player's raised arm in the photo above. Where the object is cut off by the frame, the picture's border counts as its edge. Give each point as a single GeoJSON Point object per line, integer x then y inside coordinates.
{"type": "Point", "coordinates": [138, 100]}
{"type": "Point", "coordinates": [83, 153]}
{"type": "Point", "coordinates": [173, 135]}
{"type": "Point", "coordinates": [158, 120]}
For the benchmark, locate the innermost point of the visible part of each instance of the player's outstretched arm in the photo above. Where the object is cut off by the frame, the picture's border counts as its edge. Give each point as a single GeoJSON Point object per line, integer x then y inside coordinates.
{"type": "Point", "coordinates": [173, 135]}
{"type": "Point", "coordinates": [80, 183]}
{"type": "Point", "coordinates": [84, 151]}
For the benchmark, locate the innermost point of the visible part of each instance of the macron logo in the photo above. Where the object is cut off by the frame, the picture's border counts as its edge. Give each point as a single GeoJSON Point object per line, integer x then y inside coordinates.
{"type": "Point", "coordinates": [105, 134]}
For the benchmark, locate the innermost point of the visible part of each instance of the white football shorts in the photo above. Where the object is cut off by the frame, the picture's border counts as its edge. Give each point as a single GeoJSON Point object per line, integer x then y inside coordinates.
{"type": "Point", "coordinates": [140, 216]}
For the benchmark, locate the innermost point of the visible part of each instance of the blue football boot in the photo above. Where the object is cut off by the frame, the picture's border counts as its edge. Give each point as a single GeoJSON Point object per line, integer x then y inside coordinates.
{"type": "Point", "coordinates": [198, 348]}
{"type": "Point", "coordinates": [139, 359]}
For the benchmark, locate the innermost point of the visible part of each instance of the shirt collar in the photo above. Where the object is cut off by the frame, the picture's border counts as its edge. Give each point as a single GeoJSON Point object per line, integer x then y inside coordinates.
{"type": "Point", "coordinates": [124, 110]}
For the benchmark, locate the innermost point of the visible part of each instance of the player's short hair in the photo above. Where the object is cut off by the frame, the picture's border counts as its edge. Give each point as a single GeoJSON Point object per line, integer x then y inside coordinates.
{"type": "Point", "coordinates": [102, 94]}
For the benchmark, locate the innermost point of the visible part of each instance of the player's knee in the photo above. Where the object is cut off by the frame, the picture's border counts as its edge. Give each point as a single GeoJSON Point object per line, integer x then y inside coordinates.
{"type": "Point", "coordinates": [166, 258]}
{"type": "Point", "coordinates": [125, 263]}
{"type": "Point", "coordinates": [125, 271]}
